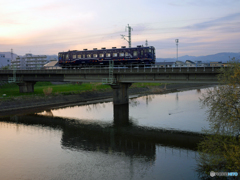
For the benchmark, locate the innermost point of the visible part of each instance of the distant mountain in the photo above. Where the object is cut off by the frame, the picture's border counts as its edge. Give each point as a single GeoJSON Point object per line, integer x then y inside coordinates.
{"type": "Point", "coordinates": [224, 57]}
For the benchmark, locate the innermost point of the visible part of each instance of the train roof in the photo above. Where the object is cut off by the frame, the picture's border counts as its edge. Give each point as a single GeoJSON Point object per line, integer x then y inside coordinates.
{"type": "Point", "coordinates": [113, 48]}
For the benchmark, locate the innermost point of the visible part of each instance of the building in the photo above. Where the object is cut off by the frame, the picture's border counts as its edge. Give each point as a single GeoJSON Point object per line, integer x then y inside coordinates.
{"type": "Point", "coordinates": [51, 65]}
{"type": "Point", "coordinates": [180, 64]}
{"type": "Point", "coordinates": [29, 61]}
{"type": "Point", "coordinates": [190, 63]}
{"type": "Point", "coordinates": [165, 64]}
{"type": "Point", "coordinates": [201, 64]}
{"type": "Point", "coordinates": [4, 61]}
{"type": "Point", "coordinates": [216, 64]}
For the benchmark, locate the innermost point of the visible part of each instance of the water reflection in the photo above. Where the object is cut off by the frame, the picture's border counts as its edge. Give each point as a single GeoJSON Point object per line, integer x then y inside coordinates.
{"type": "Point", "coordinates": [179, 110]}
{"type": "Point", "coordinates": [101, 137]}
{"type": "Point", "coordinates": [198, 91]}
{"type": "Point", "coordinates": [89, 135]}
{"type": "Point", "coordinates": [134, 102]}
{"type": "Point", "coordinates": [149, 98]}
{"type": "Point", "coordinates": [59, 148]}
{"type": "Point", "coordinates": [121, 114]}
{"type": "Point", "coordinates": [96, 106]}
{"type": "Point", "coordinates": [48, 112]}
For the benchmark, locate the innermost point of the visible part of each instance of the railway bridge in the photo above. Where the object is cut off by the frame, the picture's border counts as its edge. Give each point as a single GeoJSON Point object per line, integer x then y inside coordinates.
{"type": "Point", "coordinates": [119, 78]}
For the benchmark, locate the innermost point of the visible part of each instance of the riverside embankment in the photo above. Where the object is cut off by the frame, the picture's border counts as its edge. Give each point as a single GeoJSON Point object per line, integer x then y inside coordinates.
{"type": "Point", "coordinates": [23, 105]}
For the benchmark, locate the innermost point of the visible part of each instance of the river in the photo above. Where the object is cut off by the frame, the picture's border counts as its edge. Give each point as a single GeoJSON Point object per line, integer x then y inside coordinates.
{"type": "Point", "coordinates": [84, 142]}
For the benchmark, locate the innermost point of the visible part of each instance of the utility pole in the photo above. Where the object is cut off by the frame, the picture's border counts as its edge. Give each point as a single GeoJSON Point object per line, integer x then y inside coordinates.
{"type": "Point", "coordinates": [176, 40]}
{"type": "Point", "coordinates": [129, 35]}
{"type": "Point", "coordinates": [146, 43]}
{"type": "Point", "coordinates": [11, 54]}
{"type": "Point", "coordinates": [11, 57]}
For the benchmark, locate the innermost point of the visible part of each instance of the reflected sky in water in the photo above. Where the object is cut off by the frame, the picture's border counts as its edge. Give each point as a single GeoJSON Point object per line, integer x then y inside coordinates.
{"type": "Point", "coordinates": [179, 110]}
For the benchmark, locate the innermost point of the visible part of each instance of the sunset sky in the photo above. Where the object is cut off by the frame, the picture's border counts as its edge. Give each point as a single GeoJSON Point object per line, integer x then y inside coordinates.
{"type": "Point", "coordinates": [203, 27]}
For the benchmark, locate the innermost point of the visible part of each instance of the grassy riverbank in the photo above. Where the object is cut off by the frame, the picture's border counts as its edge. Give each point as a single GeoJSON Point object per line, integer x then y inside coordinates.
{"type": "Point", "coordinates": [47, 88]}
{"type": "Point", "coordinates": [66, 94]}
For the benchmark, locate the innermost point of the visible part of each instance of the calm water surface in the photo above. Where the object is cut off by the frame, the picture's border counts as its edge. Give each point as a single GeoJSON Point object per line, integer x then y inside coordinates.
{"type": "Point", "coordinates": [82, 142]}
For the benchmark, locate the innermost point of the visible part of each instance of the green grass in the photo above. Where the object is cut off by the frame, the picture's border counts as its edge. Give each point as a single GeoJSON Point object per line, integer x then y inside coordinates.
{"type": "Point", "coordinates": [12, 90]}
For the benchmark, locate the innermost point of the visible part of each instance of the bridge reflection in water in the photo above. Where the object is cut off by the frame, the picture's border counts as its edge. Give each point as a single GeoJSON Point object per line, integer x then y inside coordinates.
{"type": "Point", "coordinates": [124, 137]}
{"type": "Point", "coordinates": [121, 114]}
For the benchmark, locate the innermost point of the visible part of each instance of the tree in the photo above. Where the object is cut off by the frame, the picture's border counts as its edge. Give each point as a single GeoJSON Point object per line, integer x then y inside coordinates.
{"type": "Point", "coordinates": [223, 109]}
{"type": "Point", "coordinates": [220, 151]}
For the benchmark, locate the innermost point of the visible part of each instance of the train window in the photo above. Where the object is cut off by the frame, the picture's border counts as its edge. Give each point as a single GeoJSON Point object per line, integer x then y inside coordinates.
{"type": "Point", "coordinates": [79, 55]}
{"type": "Point", "coordinates": [134, 53]}
{"type": "Point", "coordinates": [74, 56]}
{"type": "Point", "coordinates": [95, 55]}
{"type": "Point", "coordinates": [150, 50]}
{"type": "Point", "coordinates": [89, 55]}
{"type": "Point", "coordinates": [126, 53]}
{"type": "Point", "coordinates": [83, 55]}
{"type": "Point", "coordinates": [141, 52]}
{"type": "Point", "coordinates": [101, 55]}
{"type": "Point", "coordinates": [108, 55]}
{"type": "Point", "coordinates": [121, 54]}
{"type": "Point", "coordinates": [114, 54]}
{"type": "Point", "coordinates": [66, 56]}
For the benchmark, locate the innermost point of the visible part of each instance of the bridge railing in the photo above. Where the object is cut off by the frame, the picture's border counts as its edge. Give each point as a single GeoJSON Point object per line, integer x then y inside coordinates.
{"type": "Point", "coordinates": [118, 68]}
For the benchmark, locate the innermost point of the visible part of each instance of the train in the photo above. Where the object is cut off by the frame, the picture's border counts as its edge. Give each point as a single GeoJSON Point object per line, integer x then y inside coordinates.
{"type": "Point", "coordinates": [120, 56]}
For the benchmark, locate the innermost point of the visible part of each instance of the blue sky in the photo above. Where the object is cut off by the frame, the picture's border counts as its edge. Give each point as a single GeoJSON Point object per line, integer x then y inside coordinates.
{"type": "Point", "coordinates": [50, 26]}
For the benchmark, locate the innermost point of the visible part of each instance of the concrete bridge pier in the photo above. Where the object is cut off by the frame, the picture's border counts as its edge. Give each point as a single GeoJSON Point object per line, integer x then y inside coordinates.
{"type": "Point", "coordinates": [27, 86]}
{"type": "Point", "coordinates": [121, 103]}
{"type": "Point", "coordinates": [120, 93]}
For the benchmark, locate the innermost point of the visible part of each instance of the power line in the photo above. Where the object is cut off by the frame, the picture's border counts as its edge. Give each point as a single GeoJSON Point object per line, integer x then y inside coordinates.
{"type": "Point", "coordinates": [129, 35]}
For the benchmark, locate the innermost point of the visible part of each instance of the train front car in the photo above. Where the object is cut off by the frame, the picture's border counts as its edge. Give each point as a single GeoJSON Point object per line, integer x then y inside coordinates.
{"type": "Point", "coordinates": [120, 56]}
{"type": "Point", "coordinates": [148, 56]}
